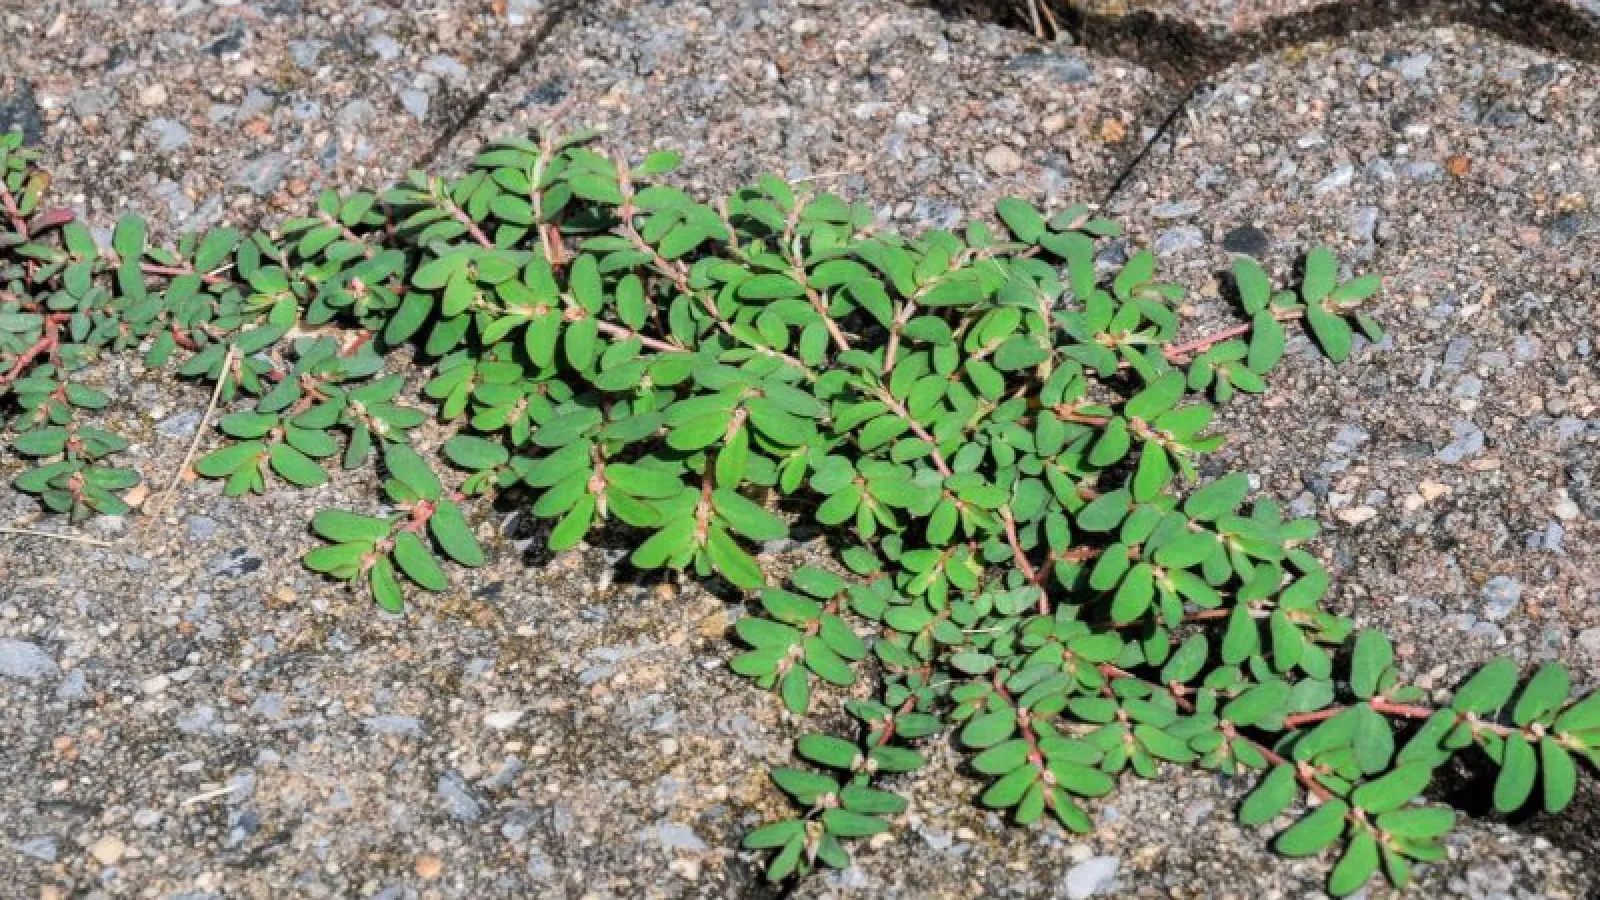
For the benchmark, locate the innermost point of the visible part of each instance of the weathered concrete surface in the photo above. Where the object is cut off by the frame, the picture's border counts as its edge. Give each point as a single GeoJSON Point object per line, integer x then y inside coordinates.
{"type": "Point", "coordinates": [1454, 465]}
{"type": "Point", "coordinates": [204, 112]}
{"type": "Point", "coordinates": [925, 117]}
{"type": "Point", "coordinates": [193, 714]}
{"type": "Point", "coordinates": [1464, 169]}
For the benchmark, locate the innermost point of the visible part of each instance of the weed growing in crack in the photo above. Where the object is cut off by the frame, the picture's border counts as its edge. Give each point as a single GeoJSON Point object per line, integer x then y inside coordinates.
{"type": "Point", "coordinates": [1001, 439]}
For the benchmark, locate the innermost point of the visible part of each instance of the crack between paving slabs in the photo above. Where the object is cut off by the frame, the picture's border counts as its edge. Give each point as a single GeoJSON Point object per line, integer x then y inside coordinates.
{"type": "Point", "coordinates": [1163, 131]}
{"type": "Point", "coordinates": [1188, 53]}
{"type": "Point", "coordinates": [507, 71]}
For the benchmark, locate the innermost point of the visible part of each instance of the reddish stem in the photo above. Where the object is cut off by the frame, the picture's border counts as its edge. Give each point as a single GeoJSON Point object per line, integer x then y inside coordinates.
{"type": "Point", "coordinates": [1378, 704]}
{"type": "Point", "coordinates": [1180, 352]}
{"type": "Point", "coordinates": [47, 343]}
{"type": "Point", "coordinates": [619, 332]}
{"type": "Point", "coordinates": [18, 223]}
{"type": "Point", "coordinates": [1021, 558]}
{"type": "Point", "coordinates": [472, 227]}
{"type": "Point", "coordinates": [1035, 755]}
{"type": "Point", "coordinates": [173, 271]}
{"type": "Point", "coordinates": [896, 407]}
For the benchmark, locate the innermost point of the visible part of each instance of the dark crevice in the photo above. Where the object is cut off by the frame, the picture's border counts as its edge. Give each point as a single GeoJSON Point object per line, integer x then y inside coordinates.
{"type": "Point", "coordinates": [507, 71]}
{"type": "Point", "coordinates": [1163, 132]}
{"type": "Point", "coordinates": [1188, 54]}
{"type": "Point", "coordinates": [1466, 783]}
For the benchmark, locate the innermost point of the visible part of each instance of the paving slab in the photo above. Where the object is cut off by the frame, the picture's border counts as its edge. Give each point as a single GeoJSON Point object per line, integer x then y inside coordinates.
{"type": "Point", "coordinates": [931, 119]}
{"type": "Point", "coordinates": [1454, 465]}
{"type": "Point", "coordinates": [192, 714]}
{"type": "Point", "coordinates": [202, 112]}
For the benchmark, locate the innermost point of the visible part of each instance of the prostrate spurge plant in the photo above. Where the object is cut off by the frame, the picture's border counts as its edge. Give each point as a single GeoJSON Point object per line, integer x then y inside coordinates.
{"type": "Point", "coordinates": [998, 433]}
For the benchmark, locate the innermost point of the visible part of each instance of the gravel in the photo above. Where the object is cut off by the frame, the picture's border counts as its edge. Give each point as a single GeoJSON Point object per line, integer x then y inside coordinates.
{"type": "Point", "coordinates": [931, 120]}
{"type": "Point", "coordinates": [20, 659]}
{"type": "Point", "coordinates": [1093, 877]}
{"type": "Point", "coordinates": [217, 722]}
{"type": "Point", "coordinates": [247, 107]}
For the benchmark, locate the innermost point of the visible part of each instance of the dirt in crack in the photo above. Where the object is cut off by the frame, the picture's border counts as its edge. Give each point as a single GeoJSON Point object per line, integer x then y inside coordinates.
{"type": "Point", "coordinates": [1188, 54]}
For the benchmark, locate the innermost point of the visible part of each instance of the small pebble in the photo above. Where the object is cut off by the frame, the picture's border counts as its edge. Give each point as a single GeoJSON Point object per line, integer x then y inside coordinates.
{"type": "Point", "coordinates": [429, 866]}
{"type": "Point", "coordinates": [108, 850]}
{"type": "Point", "coordinates": [1002, 160]}
{"type": "Point", "coordinates": [1092, 877]}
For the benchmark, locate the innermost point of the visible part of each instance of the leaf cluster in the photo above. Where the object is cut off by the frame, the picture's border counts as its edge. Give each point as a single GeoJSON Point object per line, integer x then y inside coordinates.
{"type": "Point", "coordinates": [1001, 431]}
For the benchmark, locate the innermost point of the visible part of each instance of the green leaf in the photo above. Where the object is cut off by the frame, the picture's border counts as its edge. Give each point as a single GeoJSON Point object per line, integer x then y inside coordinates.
{"type": "Point", "coordinates": [746, 517]}
{"type": "Point", "coordinates": [475, 453]}
{"type": "Point", "coordinates": [1519, 767]}
{"type": "Point", "coordinates": [670, 542]}
{"type": "Point", "coordinates": [1264, 701]}
{"type": "Point", "coordinates": [1019, 353]}
{"type": "Point", "coordinates": [1357, 289]}
{"type": "Point", "coordinates": [1270, 798]}
{"type": "Point", "coordinates": [1316, 832]}
{"type": "Point", "coordinates": [1255, 289]}
{"type": "Point", "coordinates": [828, 751]}
{"type": "Point", "coordinates": [989, 729]}
{"type": "Point", "coordinates": [1160, 396]}
{"type": "Point", "coordinates": [295, 467]}
{"type": "Point", "coordinates": [1581, 716]}
{"type": "Point", "coordinates": [660, 162]}
{"type": "Point", "coordinates": [1489, 689]}
{"type": "Point", "coordinates": [574, 525]}
{"type": "Point", "coordinates": [972, 663]}
{"type": "Point", "coordinates": [1331, 331]}
{"type": "Point", "coordinates": [867, 801]}
{"type": "Point", "coordinates": [1267, 342]}
{"type": "Point", "coordinates": [1153, 474]}
{"type": "Point", "coordinates": [338, 525]}
{"type": "Point", "coordinates": [805, 787]}
{"type": "Point", "coordinates": [639, 481]}
{"type": "Point", "coordinates": [770, 287]}
{"type": "Point", "coordinates": [774, 835]}
{"type": "Point", "coordinates": [788, 859]}
{"type": "Point", "coordinates": [128, 239]}
{"type": "Point", "coordinates": [1024, 221]}
{"type": "Point", "coordinates": [225, 461]}
{"type": "Point", "coordinates": [844, 823]}
{"type": "Point", "coordinates": [1418, 822]}
{"type": "Point", "coordinates": [1544, 693]}
{"type": "Point", "coordinates": [1392, 790]}
{"type": "Point", "coordinates": [1009, 790]}
{"type": "Point", "coordinates": [1373, 655]}
{"type": "Point", "coordinates": [1105, 512]}
{"type": "Point", "coordinates": [1134, 595]}
{"type": "Point", "coordinates": [1112, 445]}
{"type": "Point", "coordinates": [1359, 863]}
{"type": "Point", "coordinates": [735, 565]}
{"type": "Point", "coordinates": [385, 587]}
{"type": "Point", "coordinates": [419, 565]}
{"type": "Point", "coordinates": [407, 466]}
{"type": "Point", "coordinates": [1322, 272]}
{"type": "Point", "coordinates": [454, 535]}
{"type": "Point", "coordinates": [339, 560]}
{"type": "Point", "coordinates": [1241, 638]}
{"type": "Point", "coordinates": [1560, 776]}
{"type": "Point", "coordinates": [1002, 757]}
{"type": "Point", "coordinates": [1188, 661]}
{"type": "Point", "coordinates": [1217, 499]}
